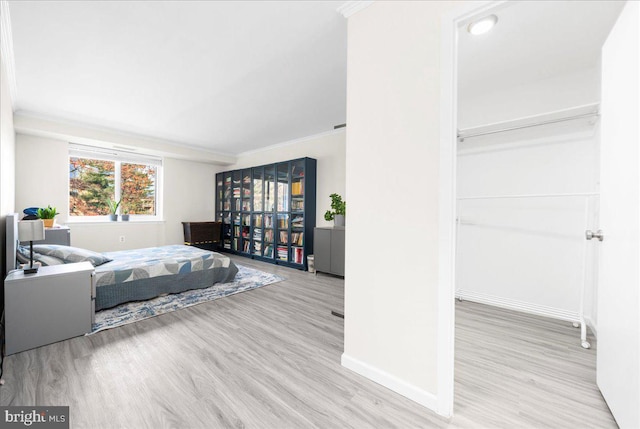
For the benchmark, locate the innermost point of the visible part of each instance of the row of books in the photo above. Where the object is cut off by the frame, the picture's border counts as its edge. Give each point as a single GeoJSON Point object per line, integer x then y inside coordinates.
{"type": "Point", "coordinates": [297, 238]}
{"type": "Point", "coordinates": [297, 188]}
{"type": "Point", "coordinates": [268, 251]}
{"type": "Point", "coordinates": [246, 179]}
{"type": "Point", "coordinates": [282, 253]}
{"type": "Point", "coordinates": [297, 255]}
{"type": "Point", "coordinates": [284, 237]}
{"type": "Point", "coordinates": [297, 204]}
{"type": "Point", "coordinates": [236, 192]}
{"type": "Point", "coordinates": [257, 248]}
{"type": "Point", "coordinates": [283, 222]}
{"type": "Point", "coordinates": [297, 222]}
{"type": "Point", "coordinates": [257, 235]}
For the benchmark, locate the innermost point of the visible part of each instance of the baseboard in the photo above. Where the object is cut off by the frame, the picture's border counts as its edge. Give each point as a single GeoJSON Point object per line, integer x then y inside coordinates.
{"type": "Point", "coordinates": [391, 382]}
{"type": "Point", "coordinates": [511, 304]}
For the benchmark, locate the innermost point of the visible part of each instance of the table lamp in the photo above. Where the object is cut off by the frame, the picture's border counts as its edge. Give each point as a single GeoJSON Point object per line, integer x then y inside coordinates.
{"type": "Point", "coordinates": [31, 230]}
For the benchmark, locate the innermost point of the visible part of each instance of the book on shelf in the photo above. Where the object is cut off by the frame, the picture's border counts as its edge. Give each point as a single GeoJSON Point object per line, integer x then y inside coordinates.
{"type": "Point", "coordinates": [297, 204]}
{"type": "Point", "coordinates": [297, 222]}
{"type": "Point", "coordinates": [284, 237]}
{"type": "Point", "coordinates": [237, 205]}
{"type": "Point", "coordinates": [268, 251]}
{"type": "Point", "coordinates": [246, 247]}
{"type": "Point", "coordinates": [257, 247]}
{"type": "Point", "coordinates": [236, 231]}
{"type": "Point", "coordinates": [246, 179]}
{"type": "Point", "coordinates": [227, 206]}
{"type": "Point", "coordinates": [283, 222]}
{"type": "Point", "coordinates": [297, 255]}
{"type": "Point", "coordinates": [297, 238]}
{"type": "Point", "coordinates": [257, 222]}
{"type": "Point", "coordinates": [297, 188]}
{"type": "Point", "coordinates": [282, 253]}
{"type": "Point", "coordinates": [268, 221]}
{"type": "Point", "coordinates": [257, 234]}
{"type": "Point", "coordinates": [268, 236]}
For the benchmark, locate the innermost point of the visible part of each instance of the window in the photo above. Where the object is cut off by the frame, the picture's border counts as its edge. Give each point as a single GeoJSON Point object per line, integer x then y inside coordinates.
{"type": "Point", "coordinates": [98, 176]}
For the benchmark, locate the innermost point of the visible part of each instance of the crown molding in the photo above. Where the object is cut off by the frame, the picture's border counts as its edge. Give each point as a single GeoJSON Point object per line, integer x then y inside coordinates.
{"type": "Point", "coordinates": [351, 7]}
{"type": "Point", "coordinates": [6, 50]}
{"type": "Point", "coordinates": [29, 123]}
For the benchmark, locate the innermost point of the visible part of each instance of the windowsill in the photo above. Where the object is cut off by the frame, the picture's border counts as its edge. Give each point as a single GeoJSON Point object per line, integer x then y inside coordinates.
{"type": "Point", "coordinates": [112, 222]}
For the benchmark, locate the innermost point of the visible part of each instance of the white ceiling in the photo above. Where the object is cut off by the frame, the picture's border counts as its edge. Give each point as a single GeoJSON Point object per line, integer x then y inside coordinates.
{"type": "Point", "coordinates": [534, 40]}
{"type": "Point", "coordinates": [237, 76]}
{"type": "Point", "coordinates": [225, 76]}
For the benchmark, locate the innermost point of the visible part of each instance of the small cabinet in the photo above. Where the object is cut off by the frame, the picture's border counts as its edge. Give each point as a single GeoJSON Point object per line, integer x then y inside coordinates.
{"type": "Point", "coordinates": [54, 304]}
{"type": "Point", "coordinates": [329, 250]}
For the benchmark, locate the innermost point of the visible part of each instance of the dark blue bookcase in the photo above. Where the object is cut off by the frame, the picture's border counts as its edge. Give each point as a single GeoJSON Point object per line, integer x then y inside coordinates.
{"type": "Point", "coordinates": [269, 212]}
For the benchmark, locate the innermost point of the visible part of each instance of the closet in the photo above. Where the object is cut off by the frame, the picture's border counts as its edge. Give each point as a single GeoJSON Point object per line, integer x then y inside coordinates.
{"type": "Point", "coordinates": [526, 193]}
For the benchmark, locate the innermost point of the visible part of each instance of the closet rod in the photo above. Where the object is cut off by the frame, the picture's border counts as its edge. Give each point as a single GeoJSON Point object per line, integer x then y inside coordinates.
{"type": "Point", "coordinates": [495, 197]}
{"type": "Point", "coordinates": [461, 134]}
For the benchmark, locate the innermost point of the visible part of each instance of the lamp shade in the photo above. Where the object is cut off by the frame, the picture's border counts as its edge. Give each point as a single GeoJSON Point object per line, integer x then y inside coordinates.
{"type": "Point", "coordinates": [31, 230]}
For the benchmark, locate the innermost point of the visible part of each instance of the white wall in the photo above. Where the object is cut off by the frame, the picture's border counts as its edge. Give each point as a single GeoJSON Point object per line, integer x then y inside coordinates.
{"type": "Point", "coordinates": [485, 105]}
{"type": "Point", "coordinates": [526, 254]}
{"type": "Point", "coordinates": [519, 236]}
{"type": "Point", "coordinates": [7, 160]}
{"type": "Point", "coordinates": [328, 149]}
{"type": "Point", "coordinates": [393, 117]}
{"type": "Point", "coordinates": [42, 168]}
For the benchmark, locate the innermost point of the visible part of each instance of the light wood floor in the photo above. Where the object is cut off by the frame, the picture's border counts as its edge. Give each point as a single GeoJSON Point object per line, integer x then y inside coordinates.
{"type": "Point", "coordinates": [270, 358]}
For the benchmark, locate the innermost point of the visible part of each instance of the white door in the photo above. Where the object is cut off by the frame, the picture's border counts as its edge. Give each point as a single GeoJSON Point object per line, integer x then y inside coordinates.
{"type": "Point", "coordinates": [618, 354]}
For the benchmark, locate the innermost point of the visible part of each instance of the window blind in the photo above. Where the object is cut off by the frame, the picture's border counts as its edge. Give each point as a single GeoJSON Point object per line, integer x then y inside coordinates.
{"type": "Point", "coordinates": [105, 154]}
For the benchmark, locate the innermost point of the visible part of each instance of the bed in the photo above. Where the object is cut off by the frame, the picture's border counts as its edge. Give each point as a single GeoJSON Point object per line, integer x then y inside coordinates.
{"type": "Point", "coordinates": [133, 275]}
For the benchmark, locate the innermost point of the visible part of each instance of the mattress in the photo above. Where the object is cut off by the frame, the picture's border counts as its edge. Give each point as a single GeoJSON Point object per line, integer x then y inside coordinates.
{"type": "Point", "coordinates": [141, 274]}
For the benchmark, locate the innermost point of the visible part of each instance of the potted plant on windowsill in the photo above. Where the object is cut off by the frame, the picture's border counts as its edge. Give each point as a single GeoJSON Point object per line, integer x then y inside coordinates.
{"type": "Point", "coordinates": [338, 212]}
{"type": "Point", "coordinates": [47, 215]}
{"type": "Point", "coordinates": [125, 213]}
{"type": "Point", "coordinates": [113, 209]}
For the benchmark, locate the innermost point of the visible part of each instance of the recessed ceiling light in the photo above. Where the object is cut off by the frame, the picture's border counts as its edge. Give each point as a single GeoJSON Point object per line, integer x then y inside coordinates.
{"type": "Point", "coordinates": [483, 25]}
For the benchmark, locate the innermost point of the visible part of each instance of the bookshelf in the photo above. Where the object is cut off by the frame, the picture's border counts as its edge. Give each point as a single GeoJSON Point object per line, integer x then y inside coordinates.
{"type": "Point", "coordinates": [268, 212]}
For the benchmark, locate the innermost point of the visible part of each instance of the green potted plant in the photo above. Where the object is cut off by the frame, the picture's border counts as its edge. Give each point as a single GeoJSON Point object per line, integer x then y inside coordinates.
{"type": "Point", "coordinates": [125, 213]}
{"type": "Point", "coordinates": [338, 212]}
{"type": "Point", "coordinates": [47, 215]}
{"type": "Point", "coordinates": [113, 209]}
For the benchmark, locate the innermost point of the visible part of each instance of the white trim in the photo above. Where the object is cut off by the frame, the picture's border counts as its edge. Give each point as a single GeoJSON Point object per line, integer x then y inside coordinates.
{"type": "Point", "coordinates": [389, 381]}
{"type": "Point", "coordinates": [525, 307]}
{"type": "Point", "coordinates": [351, 7]}
{"type": "Point", "coordinates": [292, 142]}
{"type": "Point", "coordinates": [6, 47]}
{"type": "Point", "coordinates": [34, 124]}
{"type": "Point", "coordinates": [447, 199]}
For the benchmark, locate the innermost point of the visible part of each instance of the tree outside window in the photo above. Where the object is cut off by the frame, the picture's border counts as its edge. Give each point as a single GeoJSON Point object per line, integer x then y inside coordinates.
{"type": "Point", "coordinates": [93, 182]}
